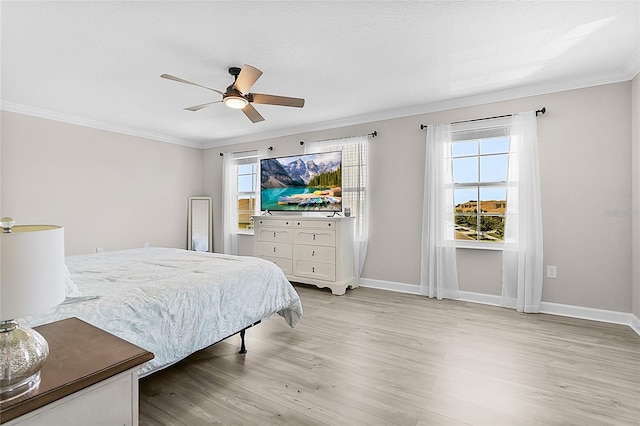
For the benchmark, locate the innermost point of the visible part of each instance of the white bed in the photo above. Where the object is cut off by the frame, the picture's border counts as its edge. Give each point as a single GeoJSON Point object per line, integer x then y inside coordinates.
{"type": "Point", "coordinates": [173, 302]}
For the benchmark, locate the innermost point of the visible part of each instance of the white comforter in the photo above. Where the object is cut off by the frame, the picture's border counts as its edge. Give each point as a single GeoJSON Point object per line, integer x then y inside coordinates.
{"type": "Point", "coordinates": [174, 302]}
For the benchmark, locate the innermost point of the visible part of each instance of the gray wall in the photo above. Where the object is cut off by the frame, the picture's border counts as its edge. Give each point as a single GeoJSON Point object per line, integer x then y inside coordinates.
{"type": "Point", "coordinates": [107, 189]}
{"type": "Point", "coordinates": [585, 146]}
{"type": "Point", "coordinates": [117, 191]}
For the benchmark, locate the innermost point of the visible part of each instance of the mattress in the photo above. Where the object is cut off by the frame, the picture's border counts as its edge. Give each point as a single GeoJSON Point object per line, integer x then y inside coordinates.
{"type": "Point", "coordinates": [172, 302]}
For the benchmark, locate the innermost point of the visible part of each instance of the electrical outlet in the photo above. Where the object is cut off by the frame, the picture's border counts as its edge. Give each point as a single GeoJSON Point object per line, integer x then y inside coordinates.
{"type": "Point", "coordinates": [552, 272]}
{"type": "Point", "coordinates": [146, 245]}
{"type": "Point", "coordinates": [99, 250]}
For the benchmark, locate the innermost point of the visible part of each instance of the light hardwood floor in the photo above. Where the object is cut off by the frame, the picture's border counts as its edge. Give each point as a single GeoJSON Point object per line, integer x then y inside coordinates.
{"type": "Point", "coordinates": [373, 357]}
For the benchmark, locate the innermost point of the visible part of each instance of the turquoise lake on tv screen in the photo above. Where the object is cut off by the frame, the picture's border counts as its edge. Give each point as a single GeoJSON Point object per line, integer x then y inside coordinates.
{"type": "Point", "coordinates": [270, 196]}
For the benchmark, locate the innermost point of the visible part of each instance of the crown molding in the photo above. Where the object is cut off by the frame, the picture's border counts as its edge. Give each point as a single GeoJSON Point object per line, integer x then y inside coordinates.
{"type": "Point", "coordinates": [462, 102]}
{"type": "Point", "coordinates": [94, 124]}
{"type": "Point", "coordinates": [631, 69]}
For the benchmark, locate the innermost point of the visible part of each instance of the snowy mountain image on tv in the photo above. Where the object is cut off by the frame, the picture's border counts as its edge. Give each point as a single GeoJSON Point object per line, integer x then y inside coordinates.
{"type": "Point", "coordinates": [308, 182]}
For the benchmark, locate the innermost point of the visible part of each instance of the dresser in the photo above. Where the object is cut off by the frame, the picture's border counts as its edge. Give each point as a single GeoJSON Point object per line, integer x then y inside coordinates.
{"type": "Point", "coordinates": [310, 250]}
{"type": "Point", "coordinates": [89, 378]}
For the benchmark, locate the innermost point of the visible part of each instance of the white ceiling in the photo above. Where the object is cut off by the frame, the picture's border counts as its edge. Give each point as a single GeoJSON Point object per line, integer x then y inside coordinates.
{"type": "Point", "coordinates": [99, 63]}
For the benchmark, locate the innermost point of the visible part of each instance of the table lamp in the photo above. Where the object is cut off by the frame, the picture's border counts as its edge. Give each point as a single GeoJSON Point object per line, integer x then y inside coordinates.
{"type": "Point", "coordinates": [31, 280]}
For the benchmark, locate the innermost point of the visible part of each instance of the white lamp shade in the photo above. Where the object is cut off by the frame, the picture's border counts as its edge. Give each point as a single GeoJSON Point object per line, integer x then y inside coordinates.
{"type": "Point", "coordinates": [32, 270]}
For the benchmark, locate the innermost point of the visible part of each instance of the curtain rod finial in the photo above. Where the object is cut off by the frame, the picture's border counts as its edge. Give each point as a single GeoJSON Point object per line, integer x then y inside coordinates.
{"type": "Point", "coordinates": [301, 142]}
{"type": "Point", "coordinates": [542, 111]}
{"type": "Point", "coordinates": [222, 154]}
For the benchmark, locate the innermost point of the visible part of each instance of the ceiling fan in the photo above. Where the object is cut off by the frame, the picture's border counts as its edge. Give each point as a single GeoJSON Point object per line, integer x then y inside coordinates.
{"type": "Point", "coordinates": [237, 95]}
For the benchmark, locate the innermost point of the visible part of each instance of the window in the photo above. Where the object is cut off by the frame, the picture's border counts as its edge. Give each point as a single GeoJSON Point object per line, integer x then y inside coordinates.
{"type": "Point", "coordinates": [479, 167]}
{"type": "Point", "coordinates": [354, 188]}
{"type": "Point", "coordinates": [354, 182]}
{"type": "Point", "coordinates": [354, 175]}
{"type": "Point", "coordinates": [247, 181]}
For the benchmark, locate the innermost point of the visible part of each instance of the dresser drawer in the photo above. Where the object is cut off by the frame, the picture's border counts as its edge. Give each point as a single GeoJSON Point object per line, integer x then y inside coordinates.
{"type": "Point", "coordinates": [279, 222]}
{"type": "Point", "coordinates": [322, 254]}
{"type": "Point", "coordinates": [316, 270]}
{"type": "Point", "coordinates": [317, 237]}
{"type": "Point", "coordinates": [320, 224]}
{"type": "Point", "coordinates": [309, 249]}
{"type": "Point", "coordinates": [285, 264]}
{"type": "Point", "coordinates": [263, 249]}
{"type": "Point", "coordinates": [275, 235]}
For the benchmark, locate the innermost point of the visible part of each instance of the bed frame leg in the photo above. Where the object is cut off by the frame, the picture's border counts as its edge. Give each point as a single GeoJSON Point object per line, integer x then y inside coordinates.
{"type": "Point", "coordinates": [243, 349]}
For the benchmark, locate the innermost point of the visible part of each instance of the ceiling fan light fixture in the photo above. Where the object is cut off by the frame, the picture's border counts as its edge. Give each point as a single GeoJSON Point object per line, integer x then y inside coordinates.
{"type": "Point", "coordinates": [235, 102]}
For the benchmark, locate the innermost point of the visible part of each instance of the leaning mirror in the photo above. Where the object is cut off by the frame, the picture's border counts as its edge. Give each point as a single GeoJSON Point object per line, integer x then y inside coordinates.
{"type": "Point", "coordinates": [199, 232]}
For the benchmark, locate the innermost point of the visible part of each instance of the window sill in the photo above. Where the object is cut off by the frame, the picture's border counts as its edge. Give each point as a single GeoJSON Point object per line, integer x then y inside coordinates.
{"type": "Point", "coordinates": [479, 246]}
{"type": "Point", "coordinates": [244, 232]}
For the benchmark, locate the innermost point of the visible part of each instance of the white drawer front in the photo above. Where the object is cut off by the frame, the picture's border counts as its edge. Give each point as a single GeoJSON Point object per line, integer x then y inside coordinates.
{"type": "Point", "coordinates": [318, 237]}
{"type": "Point", "coordinates": [276, 235]}
{"type": "Point", "coordinates": [314, 253]}
{"type": "Point", "coordinates": [285, 264]}
{"type": "Point", "coordinates": [275, 222]}
{"type": "Point", "coordinates": [317, 270]}
{"type": "Point", "coordinates": [264, 249]}
{"type": "Point", "coordinates": [320, 224]}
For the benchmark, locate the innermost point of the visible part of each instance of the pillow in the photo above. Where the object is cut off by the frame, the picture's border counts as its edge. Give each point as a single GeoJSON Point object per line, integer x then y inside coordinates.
{"type": "Point", "coordinates": [71, 289]}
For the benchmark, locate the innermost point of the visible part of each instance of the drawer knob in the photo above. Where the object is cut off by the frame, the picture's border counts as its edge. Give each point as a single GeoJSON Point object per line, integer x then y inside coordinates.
{"type": "Point", "coordinates": [274, 249]}
{"type": "Point", "coordinates": [313, 252]}
{"type": "Point", "coordinates": [274, 235]}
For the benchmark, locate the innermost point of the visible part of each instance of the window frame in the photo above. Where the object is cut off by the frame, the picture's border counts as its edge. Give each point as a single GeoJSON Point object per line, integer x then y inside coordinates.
{"type": "Point", "coordinates": [254, 161]}
{"type": "Point", "coordinates": [476, 131]}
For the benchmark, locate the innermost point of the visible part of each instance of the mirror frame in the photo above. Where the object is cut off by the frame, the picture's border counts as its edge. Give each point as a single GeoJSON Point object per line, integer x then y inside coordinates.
{"type": "Point", "coordinates": [209, 222]}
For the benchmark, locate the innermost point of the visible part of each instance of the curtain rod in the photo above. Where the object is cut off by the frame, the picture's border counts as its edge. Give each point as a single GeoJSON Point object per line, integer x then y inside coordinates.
{"type": "Point", "coordinates": [242, 152]}
{"type": "Point", "coordinates": [372, 134]}
{"type": "Point", "coordinates": [542, 110]}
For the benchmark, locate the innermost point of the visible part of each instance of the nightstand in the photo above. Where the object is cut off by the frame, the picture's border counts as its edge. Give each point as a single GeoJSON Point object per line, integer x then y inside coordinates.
{"type": "Point", "coordinates": [89, 378]}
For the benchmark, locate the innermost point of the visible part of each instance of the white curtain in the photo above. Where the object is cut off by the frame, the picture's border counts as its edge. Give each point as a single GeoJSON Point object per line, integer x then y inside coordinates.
{"type": "Point", "coordinates": [230, 196]}
{"type": "Point", "coordinates": [230, 204]}
{"type": "Point", "coordinates": [439, 275]}
{"type": "Point", "coordinates": [355, 188]}
{"type": "Point", "coordinates": [522, 252]}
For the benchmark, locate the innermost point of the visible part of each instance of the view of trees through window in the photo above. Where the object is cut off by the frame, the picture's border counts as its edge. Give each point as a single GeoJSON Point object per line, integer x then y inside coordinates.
{"type": "Point", "coordinates": [480, 193]}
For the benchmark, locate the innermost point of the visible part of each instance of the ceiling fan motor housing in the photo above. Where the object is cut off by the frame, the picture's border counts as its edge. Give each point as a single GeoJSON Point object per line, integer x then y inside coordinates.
{"type": "Point", "coordinates": [234, 99]}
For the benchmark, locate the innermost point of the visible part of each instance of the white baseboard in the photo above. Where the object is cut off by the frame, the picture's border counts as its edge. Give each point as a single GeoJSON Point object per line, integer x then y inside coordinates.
{"type": "Point", "coordinates": [635, 324]}
{"type": "Point", "coordinates": [485, 299]}
{"type": "Point", "coordinates": [390, 285]}
{"type": "Point", "coordinates": [601, 315]}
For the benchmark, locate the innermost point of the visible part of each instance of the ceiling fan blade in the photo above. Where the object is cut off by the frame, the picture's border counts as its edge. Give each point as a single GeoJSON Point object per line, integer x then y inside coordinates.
{"type": "Point", "coordinates": [253, 115]}
{"type": "Point", "coordinates": [198, 107]}
{"type": "Point", "coordinates": [180, 80]}
{"type": "Point", "coordinates": [247, 77]}
{"type": "Point", "coordinates": [260, 98]}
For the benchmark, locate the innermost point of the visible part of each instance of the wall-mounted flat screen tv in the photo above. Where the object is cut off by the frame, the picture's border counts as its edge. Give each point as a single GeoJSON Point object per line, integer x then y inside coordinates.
{"type": "Point", "coordinates": [302, 183]}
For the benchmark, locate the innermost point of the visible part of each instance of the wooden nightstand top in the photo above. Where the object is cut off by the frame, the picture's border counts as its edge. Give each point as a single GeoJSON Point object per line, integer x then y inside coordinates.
{"type": "Point", "coordinates": [80, 355]}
